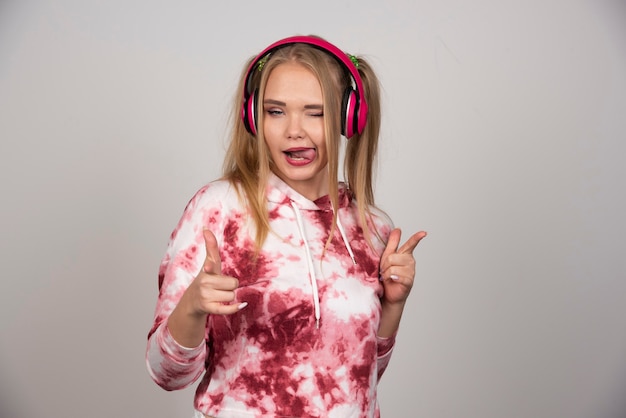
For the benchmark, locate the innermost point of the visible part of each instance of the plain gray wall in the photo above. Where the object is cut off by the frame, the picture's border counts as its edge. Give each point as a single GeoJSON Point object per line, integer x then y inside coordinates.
{"type": "Point", "coordinates": [504, 138]}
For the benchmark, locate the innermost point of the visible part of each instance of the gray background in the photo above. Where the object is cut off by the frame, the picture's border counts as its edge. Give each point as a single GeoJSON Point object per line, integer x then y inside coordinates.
{"type": "Point", "coordinates": [503, 137]}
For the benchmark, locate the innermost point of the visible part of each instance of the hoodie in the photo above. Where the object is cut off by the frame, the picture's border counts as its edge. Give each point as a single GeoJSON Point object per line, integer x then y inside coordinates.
{"type": "Point", "coordinates": [306, 345]}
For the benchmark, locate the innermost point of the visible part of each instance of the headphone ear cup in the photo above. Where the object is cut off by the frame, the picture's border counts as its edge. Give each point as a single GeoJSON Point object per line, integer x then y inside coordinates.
{"type": "Point", "coordinates": [349, 113]}
{"type": "Point", "coordinates": [249, 113]}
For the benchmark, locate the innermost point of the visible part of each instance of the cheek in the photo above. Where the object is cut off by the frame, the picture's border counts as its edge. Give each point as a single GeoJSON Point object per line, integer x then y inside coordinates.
{"type": "Point", "coordinates": [274, 153]}
{"type": "Point", "coordinates": [271, 135]}
{"type": "Point", "coordinates": [316, 132]}
{"type": "Point", "coordinates": [268, 132]}
{"type": "Point", "coordinates": [321, 149]}
{"type": "Point", "coordinates": [321, 144]}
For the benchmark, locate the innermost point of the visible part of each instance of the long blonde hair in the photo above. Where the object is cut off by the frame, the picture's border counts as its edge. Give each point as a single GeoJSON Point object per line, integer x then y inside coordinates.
{"type": "Point", "coordinates": [247, 161]}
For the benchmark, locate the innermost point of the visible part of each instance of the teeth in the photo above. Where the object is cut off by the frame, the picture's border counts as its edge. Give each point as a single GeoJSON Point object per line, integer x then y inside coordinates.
{"type": "Point", "coordinates": [294, 156]}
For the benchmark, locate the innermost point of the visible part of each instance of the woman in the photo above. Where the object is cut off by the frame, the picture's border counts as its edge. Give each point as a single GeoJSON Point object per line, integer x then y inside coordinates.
{"type": "Point", "coordinates": [282, 286]}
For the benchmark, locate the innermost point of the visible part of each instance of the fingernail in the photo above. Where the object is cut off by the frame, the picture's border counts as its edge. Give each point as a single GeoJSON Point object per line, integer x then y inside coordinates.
{"type": "Point", "coordinates": [242, 305]}
{"type": "Point", "coordinates": [394, 277]}
{"type": "Point", "coordinates": [380, 278]}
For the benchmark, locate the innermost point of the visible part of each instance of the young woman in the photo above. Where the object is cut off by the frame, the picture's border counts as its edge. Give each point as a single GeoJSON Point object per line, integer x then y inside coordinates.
{"type": "Point", "coordinates": [281, 286]}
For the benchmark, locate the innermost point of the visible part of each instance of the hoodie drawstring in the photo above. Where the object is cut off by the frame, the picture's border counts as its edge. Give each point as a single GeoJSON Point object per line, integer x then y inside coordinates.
{"type": "Point", "coordinates": [307, 249]}
{"type": "Point", "coordinates": [345, 240]}
{"type": "Point", "coordinates": [316, 298]}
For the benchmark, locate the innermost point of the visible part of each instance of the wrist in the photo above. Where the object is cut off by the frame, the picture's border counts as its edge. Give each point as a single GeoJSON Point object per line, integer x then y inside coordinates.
{"type": "Point", "coordinates": [398, 305]}
{"type": "Point", "coordinates": [391, 313]}
{"type": "Point", "coordinates": [187, 327]}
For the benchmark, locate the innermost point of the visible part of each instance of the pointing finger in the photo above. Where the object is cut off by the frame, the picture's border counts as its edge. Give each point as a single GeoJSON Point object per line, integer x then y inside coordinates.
{"type": "Point", "coordinates": [411, 243]}
{"type": "Point", "coordinates": [213, 262]}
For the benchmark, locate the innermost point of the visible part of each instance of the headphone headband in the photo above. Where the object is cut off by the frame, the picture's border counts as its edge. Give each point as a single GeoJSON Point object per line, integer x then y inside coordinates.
{"type": "Point", "coordinates": [355, 114]}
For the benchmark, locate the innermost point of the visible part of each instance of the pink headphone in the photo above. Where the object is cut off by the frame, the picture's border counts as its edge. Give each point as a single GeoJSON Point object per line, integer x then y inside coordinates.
{"type": "Point", "coordinates": [354, 107]}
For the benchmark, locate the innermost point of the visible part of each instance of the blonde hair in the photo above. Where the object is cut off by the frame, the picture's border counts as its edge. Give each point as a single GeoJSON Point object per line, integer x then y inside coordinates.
{"type": "Point", "coordinates": [247, 163]}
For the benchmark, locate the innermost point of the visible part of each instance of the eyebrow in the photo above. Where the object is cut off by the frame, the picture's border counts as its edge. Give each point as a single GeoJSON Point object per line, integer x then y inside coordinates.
{"type": "Point", "coordinates": [279, 103]}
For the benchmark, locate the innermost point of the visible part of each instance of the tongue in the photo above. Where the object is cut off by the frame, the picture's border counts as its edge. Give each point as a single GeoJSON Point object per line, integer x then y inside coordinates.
{"type": "Point", "coordinates": [306, 154]}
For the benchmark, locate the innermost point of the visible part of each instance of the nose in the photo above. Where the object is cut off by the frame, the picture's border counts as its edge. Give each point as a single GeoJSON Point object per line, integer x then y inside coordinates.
{"type": "Point", "coordinates": [295, 129]}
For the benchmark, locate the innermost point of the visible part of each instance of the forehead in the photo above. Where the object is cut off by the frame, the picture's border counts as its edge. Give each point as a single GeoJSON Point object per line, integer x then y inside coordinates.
{"type": "Point", "coordinates": [293, 79]}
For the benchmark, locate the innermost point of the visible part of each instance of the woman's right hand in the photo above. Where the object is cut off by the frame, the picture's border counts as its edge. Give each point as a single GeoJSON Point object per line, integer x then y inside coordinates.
{"type": "Point", "coordinates": [208, 293]}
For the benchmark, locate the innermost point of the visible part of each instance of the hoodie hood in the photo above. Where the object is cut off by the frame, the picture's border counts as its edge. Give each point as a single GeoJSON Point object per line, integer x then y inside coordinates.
{"type": "Point", "coordinates": [280, 192]}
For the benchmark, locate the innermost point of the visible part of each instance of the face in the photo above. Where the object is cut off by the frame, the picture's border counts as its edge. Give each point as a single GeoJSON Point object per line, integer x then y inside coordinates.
{"type": "Point", "coordinates": [293, 126]}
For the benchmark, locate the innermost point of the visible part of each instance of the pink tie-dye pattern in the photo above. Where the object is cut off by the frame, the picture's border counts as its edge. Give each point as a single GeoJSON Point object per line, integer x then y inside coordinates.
{"type": "Point", "coordinates": [270, 359]}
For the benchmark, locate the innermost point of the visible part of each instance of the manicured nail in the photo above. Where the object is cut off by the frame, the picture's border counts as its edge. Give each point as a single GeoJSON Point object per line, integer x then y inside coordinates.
{"type": "Point", "coordinates": [394, 277]}
{"type": "Point", "coordinates": [242, 305]}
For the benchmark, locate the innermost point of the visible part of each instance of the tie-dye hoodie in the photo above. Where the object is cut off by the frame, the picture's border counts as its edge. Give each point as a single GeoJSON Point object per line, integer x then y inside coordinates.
{"type": "Point", "coordinates": [306, 345]}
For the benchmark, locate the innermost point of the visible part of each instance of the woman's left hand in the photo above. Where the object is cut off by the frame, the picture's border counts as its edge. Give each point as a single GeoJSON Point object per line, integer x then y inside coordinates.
{"type": "Point", "coordinates": [397, 267]}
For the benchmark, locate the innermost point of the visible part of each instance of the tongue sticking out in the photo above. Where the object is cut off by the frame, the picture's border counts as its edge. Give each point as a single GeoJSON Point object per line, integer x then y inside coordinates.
{"type": "Point", "coordinates": [304, 154]}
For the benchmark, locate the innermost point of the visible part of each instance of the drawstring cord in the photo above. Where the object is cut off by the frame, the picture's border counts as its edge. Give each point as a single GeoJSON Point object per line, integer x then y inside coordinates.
{"type": "Point", "coordinates": [345, 240]}
{"type": "Point", "coordinates": [316, 299]}
{"type": "Point", "coordinates": [307, 249]}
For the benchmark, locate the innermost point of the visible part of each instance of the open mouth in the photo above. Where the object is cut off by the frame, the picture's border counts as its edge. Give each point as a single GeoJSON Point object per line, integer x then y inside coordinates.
{"type": "Point", "coordinates": [300, 154]}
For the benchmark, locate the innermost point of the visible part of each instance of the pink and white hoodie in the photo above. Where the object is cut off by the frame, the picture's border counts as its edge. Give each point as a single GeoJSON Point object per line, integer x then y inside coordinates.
{"type": "Point", "coordinates": [306, 345]}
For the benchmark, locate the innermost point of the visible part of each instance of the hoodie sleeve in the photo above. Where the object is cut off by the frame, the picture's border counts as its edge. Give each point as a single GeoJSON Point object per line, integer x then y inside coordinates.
{"type": "Point", "coordinates": [171, 365]}
{"type": "Point", "coordinates": [385, 349]}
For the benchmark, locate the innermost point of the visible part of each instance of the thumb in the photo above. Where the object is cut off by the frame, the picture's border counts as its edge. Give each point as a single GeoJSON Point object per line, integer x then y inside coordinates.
{"type": "Point", "coordinates": [392, 243]}
{"type": "Point", "coordinates": [212, 262]}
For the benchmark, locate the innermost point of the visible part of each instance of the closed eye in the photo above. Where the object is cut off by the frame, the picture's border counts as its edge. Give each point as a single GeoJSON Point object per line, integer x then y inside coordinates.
{"type": "Point", "coordinates": [316, 110]}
